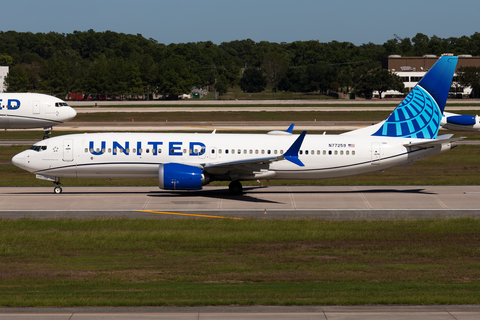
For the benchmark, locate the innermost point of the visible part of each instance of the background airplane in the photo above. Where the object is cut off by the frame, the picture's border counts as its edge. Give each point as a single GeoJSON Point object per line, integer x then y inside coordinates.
{"type": "Point", "coordinates": [185, 161]}
{"type": "Point", "coordinates": [33, 110]}
{"type": "Point", "coordinates": [454, 121]}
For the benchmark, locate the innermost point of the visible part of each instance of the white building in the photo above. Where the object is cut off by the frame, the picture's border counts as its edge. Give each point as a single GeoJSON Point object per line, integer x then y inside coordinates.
{"type": "Point", "coordinates": [411, 78]}
{"type": "Point", "coordinates": [3, 75]}
{"type": "Point", "coordinates": [412, 69]}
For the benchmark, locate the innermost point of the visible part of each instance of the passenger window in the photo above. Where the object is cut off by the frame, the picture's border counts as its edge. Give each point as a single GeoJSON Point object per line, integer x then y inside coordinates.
{"type": "Point", "coordinates": [347, 152]}
{"type": "Point", "coordinates": [148, 151]}
{"type": "Point", "coordinates": [318, 152]}
{"type": "Point", "coordinates": [341, 152]}
{"type": "Point", "coordinates": [110, 150]}
{"type": "Point", "coordinates": [219, 151]}
{"type": "Point", "coordinates": [353, 152]}
{"type": "Point", "coordinates": [226, 151]}
{"type": "Point", "coordinates": [329, 152]}
{"type": "Point", "coordinates": [86, 150]}
{"type": "Point", "coordinates": [269, 151]}
{"type": "Point", "coordinates": [159, 150]}
{"type": "Point", "coordinates": [324, 152]}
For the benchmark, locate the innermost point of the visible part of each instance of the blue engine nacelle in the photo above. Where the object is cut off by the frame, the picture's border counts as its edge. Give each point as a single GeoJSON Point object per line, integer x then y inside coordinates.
{"type": "Point", "coordinates": [176, 176]}
{"type": "Point", "coordinates": [462, 120]}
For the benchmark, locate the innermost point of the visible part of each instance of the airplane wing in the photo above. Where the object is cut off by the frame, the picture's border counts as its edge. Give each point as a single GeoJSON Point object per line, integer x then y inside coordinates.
{"type": "Point", "coordinates": [257, 164]}
{"type": "Point", "coordinates": [443, 139]}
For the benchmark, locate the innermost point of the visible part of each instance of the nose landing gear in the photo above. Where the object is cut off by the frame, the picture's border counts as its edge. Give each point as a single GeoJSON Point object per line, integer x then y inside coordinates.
{"type": "Point", "coordinates": [58, 186]}
{"type": "Point", "coordinates": [46, 132]}
{"type": "Point", "coordinates": [57, 189]}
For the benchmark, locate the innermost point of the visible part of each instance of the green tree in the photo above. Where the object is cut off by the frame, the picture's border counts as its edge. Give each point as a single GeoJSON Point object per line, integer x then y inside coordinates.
{"type": "Point", "coordinates": [17, 79]}
{"type": "Point", "coordinates": [274, 66]}
{"type": "Point", "coordinates": [5, 60]}
{"type": "Point", "coordinates": [379, 80]}
{"type": "Point", "coordinates": [222, 85]}
{"type": "Point", "coordinates": [470, 77]}
{"type": "Point", "coordinates": [253, 81]}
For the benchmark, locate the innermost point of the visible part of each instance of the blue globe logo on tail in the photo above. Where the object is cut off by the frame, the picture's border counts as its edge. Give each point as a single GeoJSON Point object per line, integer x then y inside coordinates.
{"type": "Point", "coordinates": [418, 116]}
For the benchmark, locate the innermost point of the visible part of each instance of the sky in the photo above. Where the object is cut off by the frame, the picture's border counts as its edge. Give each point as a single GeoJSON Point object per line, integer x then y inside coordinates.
{"type": "Point", "coordinates": [182, 21]}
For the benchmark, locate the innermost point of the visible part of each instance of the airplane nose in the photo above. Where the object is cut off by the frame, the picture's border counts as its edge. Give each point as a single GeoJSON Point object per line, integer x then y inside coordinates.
{"type": "Point", "coordinates": [19, 160]}
{"type": "Point", "coordinates": [72, 113]}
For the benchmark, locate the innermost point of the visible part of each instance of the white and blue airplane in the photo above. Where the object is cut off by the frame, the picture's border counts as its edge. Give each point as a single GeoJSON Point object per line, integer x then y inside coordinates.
{"type": "Point", "coordinates": [453, 121]}
{"type": "Point", "coordinates": [33, 110]}
{"type": "Point", "coordinates": [186, 161]}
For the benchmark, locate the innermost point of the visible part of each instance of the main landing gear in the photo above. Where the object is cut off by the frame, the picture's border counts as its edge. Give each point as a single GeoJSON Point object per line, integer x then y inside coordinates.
{"type": "Point", "coordinates": [235, 188]}
{"type": "Point", "coordinates": [46, 132]}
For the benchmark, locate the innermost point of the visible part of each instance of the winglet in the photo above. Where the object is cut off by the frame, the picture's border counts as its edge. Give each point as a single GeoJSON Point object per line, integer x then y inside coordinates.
{"type": "Point", "coordinates": [290, 129]}
{"type": "Point", "coordinates": [292, 152]}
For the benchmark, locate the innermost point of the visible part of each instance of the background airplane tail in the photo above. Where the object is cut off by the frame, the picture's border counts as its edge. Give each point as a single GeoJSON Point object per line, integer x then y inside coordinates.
{"type": "Point", "coordinates": [419, 115]}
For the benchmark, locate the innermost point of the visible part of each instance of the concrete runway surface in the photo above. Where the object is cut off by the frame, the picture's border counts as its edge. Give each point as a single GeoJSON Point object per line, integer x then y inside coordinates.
{"type": "Point", "coordinates": [468, 312]}
{"type": "Point", "coordinates": [274, 202]}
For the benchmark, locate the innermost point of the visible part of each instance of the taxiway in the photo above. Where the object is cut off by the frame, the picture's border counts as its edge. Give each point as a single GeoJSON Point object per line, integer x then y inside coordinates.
{"type": "Point", "coordinates": [257, 202]}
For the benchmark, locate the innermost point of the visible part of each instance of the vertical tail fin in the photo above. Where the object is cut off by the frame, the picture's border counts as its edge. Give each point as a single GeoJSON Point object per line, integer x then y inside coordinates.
{"type": "Point", "coordinates": [420, 113]}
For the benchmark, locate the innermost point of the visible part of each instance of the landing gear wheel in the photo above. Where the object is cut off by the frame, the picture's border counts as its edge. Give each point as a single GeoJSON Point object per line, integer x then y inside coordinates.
{"type": "Point", "coordinates": [235, 188]}
{"type": "Point", "coordinates": [46, 132]}
{"type": "Point", "coordinates": [57, 190]}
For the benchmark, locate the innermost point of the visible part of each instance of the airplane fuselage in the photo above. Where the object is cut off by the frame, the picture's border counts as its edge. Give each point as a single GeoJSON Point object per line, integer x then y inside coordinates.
{"type": "Point", "coordinates": [138, 155]}
{"type": "Point", "coordinates": [32, 110]}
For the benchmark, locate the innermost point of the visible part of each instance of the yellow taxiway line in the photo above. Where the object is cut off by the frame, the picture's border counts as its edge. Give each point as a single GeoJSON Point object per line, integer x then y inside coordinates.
{"type": "Point", "coordinates": [190, 214]}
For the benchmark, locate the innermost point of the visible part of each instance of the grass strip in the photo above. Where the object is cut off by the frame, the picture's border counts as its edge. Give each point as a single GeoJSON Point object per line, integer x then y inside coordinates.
{"type": "Point", "coordinates": [290, 116]}
{"type": "Point", "coordinates": [131, 262]}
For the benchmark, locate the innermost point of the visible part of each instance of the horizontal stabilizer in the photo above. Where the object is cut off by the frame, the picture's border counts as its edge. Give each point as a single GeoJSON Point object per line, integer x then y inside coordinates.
{"type": "Point", "coordinates": [441, 140]}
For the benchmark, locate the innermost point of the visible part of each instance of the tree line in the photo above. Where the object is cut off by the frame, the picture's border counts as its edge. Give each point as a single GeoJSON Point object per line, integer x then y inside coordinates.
{"type": "Point", "coordinates": [117, 64]}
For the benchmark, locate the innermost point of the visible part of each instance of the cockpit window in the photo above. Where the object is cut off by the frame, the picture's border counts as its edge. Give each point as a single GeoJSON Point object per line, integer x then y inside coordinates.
{"type": "Point", "coordinates": [61, 104]}
{"type": "Point", "coordinates": [38, 148]}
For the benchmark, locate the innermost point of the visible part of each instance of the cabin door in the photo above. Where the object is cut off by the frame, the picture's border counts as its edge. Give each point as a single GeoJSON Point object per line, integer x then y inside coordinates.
{"type": "Point", "coordinates": [36, 107]}
{"type": "Point", "coordinates": [68, 150]}
{"type": "Point", "coordinates": [376, 153]}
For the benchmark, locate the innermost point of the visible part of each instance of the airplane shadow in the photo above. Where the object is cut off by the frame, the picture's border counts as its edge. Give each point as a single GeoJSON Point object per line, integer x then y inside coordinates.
{"type": "Point", "coordinates": [247, 196]}
{"type": "Point", "coordinates": [212, 194]}
{"type": "Point", "coordinates": [250, 192]}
